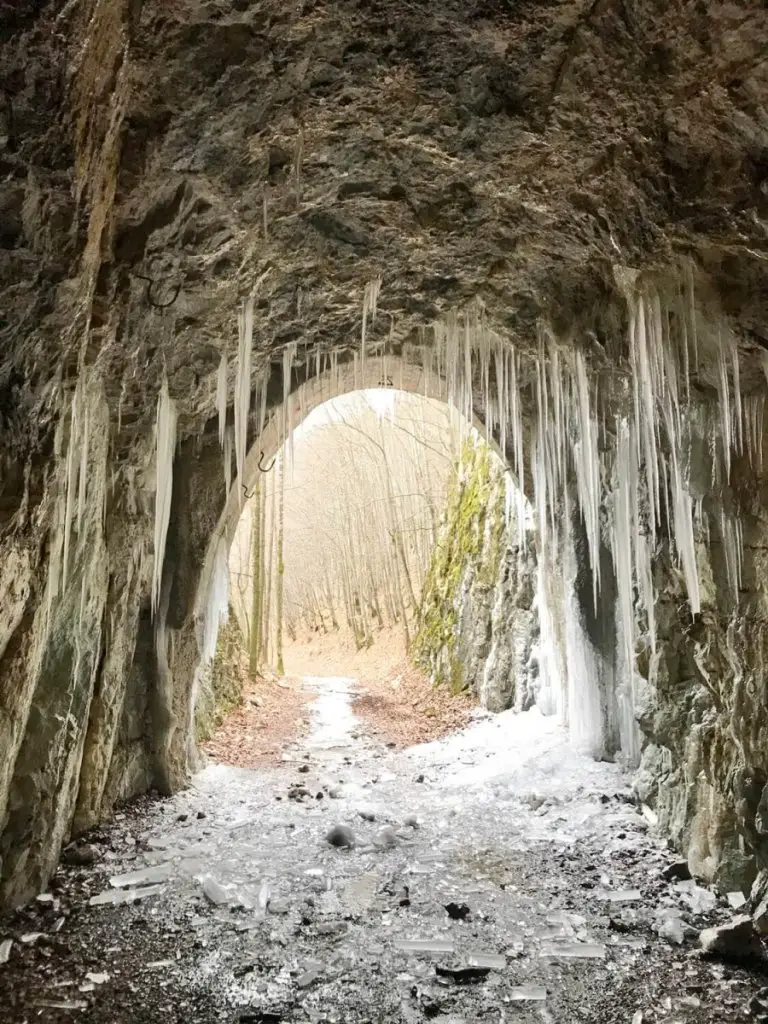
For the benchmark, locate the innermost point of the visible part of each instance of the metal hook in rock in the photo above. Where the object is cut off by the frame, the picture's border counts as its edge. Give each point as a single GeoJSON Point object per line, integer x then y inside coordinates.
{"type": "Point", "coordinates": [264, 469]}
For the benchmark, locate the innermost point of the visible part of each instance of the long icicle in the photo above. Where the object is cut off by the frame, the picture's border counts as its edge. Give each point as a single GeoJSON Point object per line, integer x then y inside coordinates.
{"type": "Point", "coordinates": [243, 388]}
{"type": "Point", "coordinates": [165, 431]}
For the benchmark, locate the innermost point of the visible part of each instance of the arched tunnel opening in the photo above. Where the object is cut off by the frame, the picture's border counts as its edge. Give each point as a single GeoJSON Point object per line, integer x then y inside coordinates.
{"type": "Point", "coordinates": [383, 617]}
{"type": "Point", "coordinates": [372, 542]}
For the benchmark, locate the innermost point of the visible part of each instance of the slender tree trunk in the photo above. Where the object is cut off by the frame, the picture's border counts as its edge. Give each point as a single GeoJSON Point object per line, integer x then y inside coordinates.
{"type": "Point", "coordinates": [280, 566]}
{"type": "Point", "coordinates": [256, 592]}
{"type": "Point", "coordinates": [269, 526]}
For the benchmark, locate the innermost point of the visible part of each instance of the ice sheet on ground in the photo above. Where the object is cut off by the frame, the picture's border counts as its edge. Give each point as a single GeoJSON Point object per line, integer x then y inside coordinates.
{"type": "Point", "coordinates": [113, 897]}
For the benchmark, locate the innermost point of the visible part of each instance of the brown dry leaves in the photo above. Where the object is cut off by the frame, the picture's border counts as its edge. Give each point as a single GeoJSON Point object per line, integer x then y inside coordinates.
{"type": "Point", "coordinates": [273, 715]}
{"type": "Point", "coordinates": [404, 708]}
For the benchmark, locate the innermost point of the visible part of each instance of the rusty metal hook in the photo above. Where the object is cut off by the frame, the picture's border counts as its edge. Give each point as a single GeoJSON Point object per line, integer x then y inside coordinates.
{"type": "Point", "coordinates": [152, 284]}
{"type": "Point", "coordinates": [264, 469]}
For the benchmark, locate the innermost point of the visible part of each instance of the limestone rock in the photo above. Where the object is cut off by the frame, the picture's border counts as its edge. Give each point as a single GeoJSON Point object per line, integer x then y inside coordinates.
{"type": "Point", "coordinates": [759, 903]}
{"type": "Point", "coordinates": [734, 940]}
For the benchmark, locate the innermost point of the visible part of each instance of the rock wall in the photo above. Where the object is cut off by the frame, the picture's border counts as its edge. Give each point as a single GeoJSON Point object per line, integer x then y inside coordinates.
{"type": "Point", "coordinates": [477, 627]}
{"type": "Point", "coordinates": [705, 761]}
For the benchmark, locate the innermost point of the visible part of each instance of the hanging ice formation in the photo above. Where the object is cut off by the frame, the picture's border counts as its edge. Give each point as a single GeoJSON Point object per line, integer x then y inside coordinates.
{"type": "Point", "coordinates": [216, 607]}
{"type": "Point", "coordinates": [165, 438]}
{"type": "Point", "coordinates": [243, 388]}
{"type": "Point", "coordinates": [221, 398]}
{"type": "Point", "coordinates": [289, 355]}
{"type": "Point", "coordinates": [370, 307]}
{"type": "Point", "coordinates": [228, 444]}
{"type": "Point", "coordinates": [624, 438]}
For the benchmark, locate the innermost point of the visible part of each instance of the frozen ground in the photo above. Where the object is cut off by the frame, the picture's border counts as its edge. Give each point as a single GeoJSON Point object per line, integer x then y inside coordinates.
{"type": "Point", "coordinates": [495, 875]}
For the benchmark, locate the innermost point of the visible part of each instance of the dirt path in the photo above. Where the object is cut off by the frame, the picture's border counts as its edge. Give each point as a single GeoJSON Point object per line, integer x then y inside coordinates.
{"type": "Point", "coordinates": [495, 875]}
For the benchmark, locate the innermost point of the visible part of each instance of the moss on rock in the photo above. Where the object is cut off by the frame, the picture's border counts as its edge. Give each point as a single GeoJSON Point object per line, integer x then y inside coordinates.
{"type": "Point", "coordinates": [470, 542]}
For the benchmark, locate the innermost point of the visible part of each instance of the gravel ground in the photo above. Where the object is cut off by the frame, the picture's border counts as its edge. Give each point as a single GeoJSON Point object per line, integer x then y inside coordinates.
{"type": "Point", "coordinates": [495, 875]}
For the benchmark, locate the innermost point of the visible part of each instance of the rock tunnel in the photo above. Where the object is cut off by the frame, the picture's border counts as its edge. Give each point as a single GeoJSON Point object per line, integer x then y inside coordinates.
{"type": "Point", "coordinates": [216, 216]}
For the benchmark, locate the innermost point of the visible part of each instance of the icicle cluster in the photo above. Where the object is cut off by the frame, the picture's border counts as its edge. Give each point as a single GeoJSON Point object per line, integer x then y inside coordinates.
{"type": "Point", "coordinates": [616, 448]}
{"type": "Point", "coordinates": [635, 461]}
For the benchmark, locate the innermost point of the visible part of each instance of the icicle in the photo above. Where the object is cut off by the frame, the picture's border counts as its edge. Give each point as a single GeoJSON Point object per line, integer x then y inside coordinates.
{"type": "Point", "coordinates": [289, 354]}
{"type": "Point", "coordinates": [622, 533]}
{"type": "Point", "coordinates": [228, 460]}
{"type": "Point", "coordinates": [645, 411]}
{"type": "Point", "coordinates": [737, 406]}
{"type": "Point", "coordinates": [243, 388]}
{"type": "Point", "coordinates": [724, 402]}
{"type": "Point", "coordinates": [370, 306]}
{"type": "Point", "coordinates": [263, 384]}
{"type": "Point", "coordinates": [683, 532]}
{"type": "Point", "coordinates": [165, 433]}
{"type": "Point", "coordinates": [221, 398]}
{"type": "Point", "coordinates": [588, 471]}
{"type": "Point", "coordinates": [217, 604]}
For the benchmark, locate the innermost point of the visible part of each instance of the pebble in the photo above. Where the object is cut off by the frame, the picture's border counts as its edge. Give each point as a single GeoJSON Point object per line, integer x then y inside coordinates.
{"type": "Point", "coordinates": [341, 836]}
{"type": "Point", "coordinates": [677, 872]}
{"type": "Point", "coordinates": [79, 855]}
{"type": "Point", "coordinates": [385, 838]}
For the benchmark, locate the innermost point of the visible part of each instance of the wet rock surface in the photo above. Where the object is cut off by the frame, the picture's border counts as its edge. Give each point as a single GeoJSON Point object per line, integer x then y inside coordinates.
{"type": "Point", "coordinates": [530, 892]}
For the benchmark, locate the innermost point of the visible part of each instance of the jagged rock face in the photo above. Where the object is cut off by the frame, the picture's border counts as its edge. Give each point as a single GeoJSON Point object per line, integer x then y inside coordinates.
{"type": "Point", "coordinates": [705, 767]}
{"type": "Point", "coordinates": [511, 151]}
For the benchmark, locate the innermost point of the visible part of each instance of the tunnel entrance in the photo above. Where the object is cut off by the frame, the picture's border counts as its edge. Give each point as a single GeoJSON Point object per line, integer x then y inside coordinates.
{"type": "Point", "coordinates": [375, 544]}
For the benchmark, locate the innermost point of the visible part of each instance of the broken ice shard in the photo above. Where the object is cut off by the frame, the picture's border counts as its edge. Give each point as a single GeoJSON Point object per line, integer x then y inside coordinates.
{"type": "Point", "coordinates": [574, 951]}
{"type": "Point", "coordinates": [113, 897]}
{"type": "Point", "coordinates": [424, 945]}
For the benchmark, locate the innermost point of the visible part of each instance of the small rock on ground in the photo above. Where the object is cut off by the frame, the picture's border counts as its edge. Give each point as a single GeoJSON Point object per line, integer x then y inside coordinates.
{"type": "Point", "coordinates": [341, 836]}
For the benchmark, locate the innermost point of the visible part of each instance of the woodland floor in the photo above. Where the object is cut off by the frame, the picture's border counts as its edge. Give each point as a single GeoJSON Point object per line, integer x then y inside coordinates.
{"type": "Point", "coordinates": [495, 876]}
